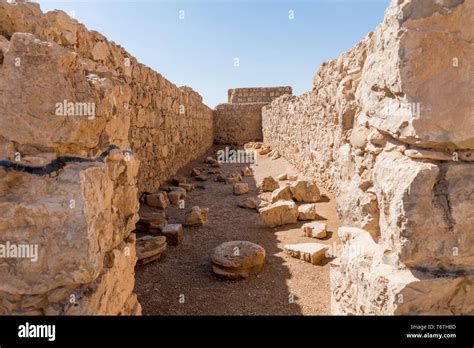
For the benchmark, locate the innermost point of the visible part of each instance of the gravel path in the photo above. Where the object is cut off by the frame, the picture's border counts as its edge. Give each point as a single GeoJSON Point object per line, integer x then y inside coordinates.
{"type": "Point", "coordinates": [181, 283]}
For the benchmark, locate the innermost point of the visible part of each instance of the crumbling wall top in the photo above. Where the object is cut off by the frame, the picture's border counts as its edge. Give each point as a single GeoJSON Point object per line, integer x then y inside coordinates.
{"type": "Point", "coordinates": [256, 94]}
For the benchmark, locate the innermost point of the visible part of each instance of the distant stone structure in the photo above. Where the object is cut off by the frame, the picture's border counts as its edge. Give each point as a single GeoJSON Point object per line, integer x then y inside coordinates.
{"type": "Point", "coordinates": [240, 120]}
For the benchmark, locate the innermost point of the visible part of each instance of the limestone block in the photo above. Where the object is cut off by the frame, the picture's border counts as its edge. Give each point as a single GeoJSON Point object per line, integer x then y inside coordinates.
{"type": "Point", "coordinates": [313, 253]}
{"type": "Point", "coordinates": [173, 233]}
{"type": "Point", "coordinates": [237, 259]}
{"type": "Point", "coordinates": [305, 191]}
{"type": "Point", "coordinates": [282, 194]}
{"type": "Point", "coordinates": [315, 230]}
{"type": "Point", "coordinates": [307, 211]}
{"type": "Point", "coordinates": [196, 216]}
{"type": "Point", "coordinates": [241, 188]}
{"type": "Point", "coordinates": [269, 184]}
{"type": "Point", "coordinates": [279, 213]}
{"type": "Point", "coordinates": [394, 87]}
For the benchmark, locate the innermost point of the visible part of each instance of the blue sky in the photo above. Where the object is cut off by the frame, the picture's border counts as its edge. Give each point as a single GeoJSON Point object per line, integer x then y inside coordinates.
{"type": "Point", "coordinates": [200, 50]}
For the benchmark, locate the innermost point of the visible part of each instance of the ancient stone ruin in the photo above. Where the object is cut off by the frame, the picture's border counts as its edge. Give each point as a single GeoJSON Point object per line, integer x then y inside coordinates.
{"type": "Point", "coordinates": [387, 128]}
{"type": "Point", "coordinates": [240, 120]}
{"type": "Point", "coordinates": [94, 149]}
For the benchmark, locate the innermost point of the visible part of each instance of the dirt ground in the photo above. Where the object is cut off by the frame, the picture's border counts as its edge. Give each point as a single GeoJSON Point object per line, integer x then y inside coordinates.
{"type": "Point", "coordinates": [182, 283]}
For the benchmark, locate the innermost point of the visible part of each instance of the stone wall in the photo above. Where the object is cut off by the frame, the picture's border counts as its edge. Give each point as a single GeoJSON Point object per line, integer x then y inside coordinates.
{"type": "Point", "coordinates": [167, 126]}
{"type": "Point", "coordinates": [240, 120]}
{"type": "Point", "coordinates": [388, 129]}
{"type": "Point", "coordinates": [237, 124]}
{"type": "Point", "coordinates": [256, 94]}
{"type": "Point", "coordinates": [84, 129]}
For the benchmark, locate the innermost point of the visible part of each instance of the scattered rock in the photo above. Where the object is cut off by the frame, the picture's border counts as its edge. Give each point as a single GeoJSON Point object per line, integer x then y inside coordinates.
{"type": "Point", "coordinates": [237, 260]}
{"type": "Point", "coordinates": [200, 187]}
{"type": "Point", "coordinates": [196, 216]}
{"type": "Point", "coordinates": [467, 156]}
{"type": "Point", "coordinates": [151, 222]}
{"type": "Point", "coordinates": [279, 213]}
{"type": "Point", "coordinates": [247, 171]}
{"type": "Point", "coordinates": [307, 211]}
{"type": "Point", "coordinates": [158, 199]}
{"type": "Point", "coordinates": [241, 188]}
{"type": "Point", "coordinates": [150, 248]}
{"type": "Point", "coordinates": [187, 187]}
{"type": "Point", "coordinates": [220, 178]}
{"type": "Point", "coordinates": [269, 184]}
{"type": "Point", "coordinates": [175, 196]}
{"type": "Point", "coordinates": [176, 180]}
{"type": "Point", "coordinates": [282, 194]}
{"type": "Point", "coordinates": [233, 178]}
{"type": "Point", "coordinates": [202, 177]}
{"type": "Point", "coordinates": [310, 252]}
{"type": "Point", "coordinates": [173, 233]}
{"type": "Point", "coordinates": [282, 177]}
{"type": "Point", "coordinates": [305, 191]}
{"type": "Point", "coordinates": [178, 189]}
{"type": "Point", "coordinates": [315, 230]}
{"type": "Point", "coordinates": [250, 203]}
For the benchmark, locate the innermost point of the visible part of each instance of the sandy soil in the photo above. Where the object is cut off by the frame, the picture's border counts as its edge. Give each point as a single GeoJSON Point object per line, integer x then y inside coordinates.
{"type": "Point", "coordinates": [182, 283]}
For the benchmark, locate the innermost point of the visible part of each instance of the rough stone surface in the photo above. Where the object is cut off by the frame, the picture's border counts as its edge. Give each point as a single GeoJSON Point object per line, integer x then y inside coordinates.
{"type": "Point", "coordinates": [269, 184]}
{"type": "Point", "coordinates": [151, 221]}
{"type": "Point", "coordinates": [247, 171]}
{"type": "Point", "coordinates": [75, 213]}
{"type": "Point", "coordinates": [250, 203]}
{"type": "Point", "coordinates": [305, 191]}
{"type": "Point", "coordinates": [313, 253]}
{"type": "Point", "coordinates": [85, 211]}
{"type": "Point", "coordinates": [237, 124]}
{"type": "Point", "coordinates": [241, 188]}
{"type": "Point", "coordinates": [282, 194]}
{"type": "Point", "coordinates": [307, 211]}
{"type": "Point", "coordinates": [196, 217]}
{"type": "Point", "coordinates": [176, 196]}
{"type": "Point", "coordinates": [173, 233]}
{"type": "Point", "coordinates": [255, 95]}
{"type": "Point", "coordinates": [391, 137]}
{"type": "Point", "coordinates": [150, 248]}
{"type": "Point", "coordinates": [237, 259]}
{"type": "Point", "coordinates": [158, 199]}
{"type": "Point", "coordinates": [240, 120]}
{"type": "Point", "coordinates": [232, 178]}
{"type": "Point", "coordinates": [279, 213]}
{"type": "Point", "coordinates": [315, 230]}
{"type": "Point", "coordinates": [142, 111]}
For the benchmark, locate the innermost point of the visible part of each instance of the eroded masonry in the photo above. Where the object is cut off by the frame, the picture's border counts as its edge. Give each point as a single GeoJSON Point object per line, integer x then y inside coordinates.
{"type": "Point", "coordinates": [85, 130]}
